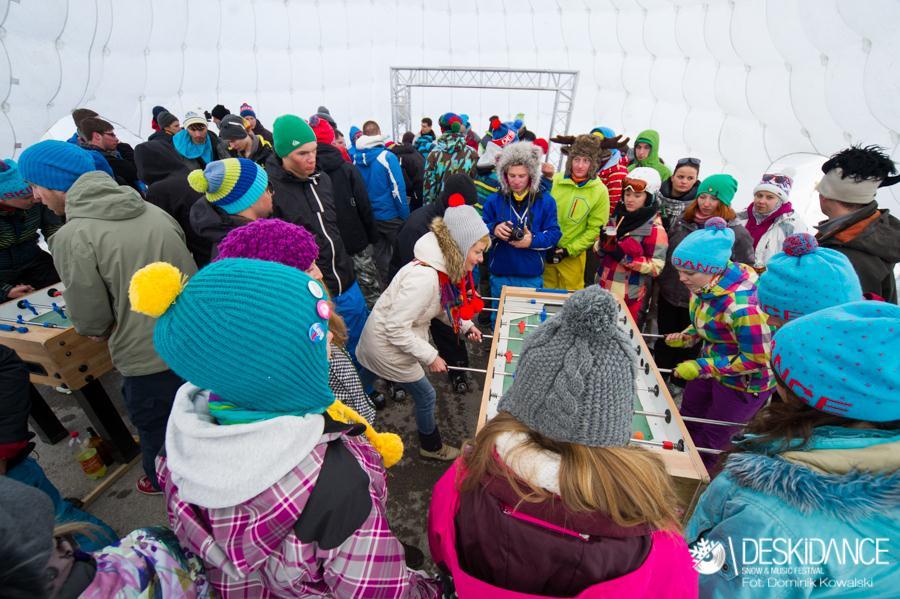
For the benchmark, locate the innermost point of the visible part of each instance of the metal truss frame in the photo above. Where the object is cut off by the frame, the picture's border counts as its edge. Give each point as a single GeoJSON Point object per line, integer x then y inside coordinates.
{"type": "Point", "coordinates": [562, 83]}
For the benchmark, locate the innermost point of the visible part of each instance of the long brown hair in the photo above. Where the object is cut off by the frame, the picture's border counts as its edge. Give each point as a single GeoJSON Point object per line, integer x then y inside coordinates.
{"type": "Point", "coordinates": [629, 484]}
{"type": "Point", "coordinates": [783, 423]}
{"type": "Point", "coordinates": [722, 211]}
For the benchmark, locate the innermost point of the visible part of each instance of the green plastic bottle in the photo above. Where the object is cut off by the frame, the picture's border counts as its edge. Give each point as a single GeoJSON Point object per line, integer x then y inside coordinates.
{"type": "Point", "coordinates": [87, 457]}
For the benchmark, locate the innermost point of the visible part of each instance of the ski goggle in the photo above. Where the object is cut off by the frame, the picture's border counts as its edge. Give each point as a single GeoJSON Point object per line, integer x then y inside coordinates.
{"type": "Point", "coordinates": [695, 162]}
{"type": "Point", "coordinates": [776, 179]}
{"type": "Point", "coordinates": [634, 184]}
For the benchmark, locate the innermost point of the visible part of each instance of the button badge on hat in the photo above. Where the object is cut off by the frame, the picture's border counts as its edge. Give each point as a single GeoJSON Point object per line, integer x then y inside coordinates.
{"type": "Point", "coordinates": [315, 289]}
{"type": "Point", "coordinates": [316, 333]}
{"type": "Point", "coordinates": [323, 309]}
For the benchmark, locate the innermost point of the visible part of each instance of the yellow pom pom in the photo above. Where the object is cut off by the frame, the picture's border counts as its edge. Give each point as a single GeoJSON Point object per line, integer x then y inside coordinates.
{"type": "Point", "coordinates": [197, 181]}
{"type": "Point", "coordinates": [389, 445]}
{"type": "Point", "coordinates": [154, 288]}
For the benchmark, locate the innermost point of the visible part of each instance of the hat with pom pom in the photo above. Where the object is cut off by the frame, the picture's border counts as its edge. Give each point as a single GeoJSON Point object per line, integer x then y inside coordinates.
{"type": "Point", "coordinates": [806, 278]}
{"type": "Point", "coordinates": [205, 326]}
{"type": "Point", "coordinates": [451, 123]}
{"type": "Point", "coordinates": [501, 133]}
{"type": "Point", "coordinates": [247, 110]}
{"type": "Point", "coordinates": [707, 250]}
{"type": "Point", "coordinates": [271, 239]}
{"type": "Point", "coordinates": [322, 128]}
{"type": "Point", "coordinates": [463, 222]}
{"type": "Point", "coordinates": [575, 381]}
{"type": "Point", "coordinates": [233, 184]}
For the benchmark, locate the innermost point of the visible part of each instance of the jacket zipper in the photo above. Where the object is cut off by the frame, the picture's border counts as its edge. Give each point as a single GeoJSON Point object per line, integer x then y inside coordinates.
{"type": "Point", "coordinates": [509, 511]}
{"type": "Point", "coordinates": [330, 242]}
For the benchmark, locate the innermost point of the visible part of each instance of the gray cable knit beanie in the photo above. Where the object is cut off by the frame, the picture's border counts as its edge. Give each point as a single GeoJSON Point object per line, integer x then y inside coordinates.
{"type": "Point", "coordinates": [575, 380]}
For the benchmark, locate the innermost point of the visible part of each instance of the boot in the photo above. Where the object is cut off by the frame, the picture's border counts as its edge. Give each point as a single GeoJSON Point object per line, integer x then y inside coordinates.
{"type": "Point", "coordinates": [431, 447]}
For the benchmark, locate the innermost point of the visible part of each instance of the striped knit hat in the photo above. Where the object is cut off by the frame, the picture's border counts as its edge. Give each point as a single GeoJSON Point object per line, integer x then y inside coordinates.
{"type": "Point", "coordinates": [233, 184]}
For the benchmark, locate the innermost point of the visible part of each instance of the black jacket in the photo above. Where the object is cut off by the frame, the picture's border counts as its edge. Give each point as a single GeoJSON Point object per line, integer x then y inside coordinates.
{"type": "Point", "coordinates": [121, 161]}
{"type": "Point", "coordinates": [212, 224]}
{"type": "Point", "coordinates": [873, 248]}
{"type": "Point", "coordinates": [263, 132]}
{"type": "Point", "coordinates": [351, 200]}
{"type": "Point", "coordinates": [164, 170]}
{"type": "Point", "coordinates": [259, 155]}
{"type": "Point", "coordinates": [415, 227]}
{"type": "Point", "coordinates": [310, 204]}
{"type": "Point", "coordinates": [159, 135]}
{"type": "Point", "coordinates": [413, 165]}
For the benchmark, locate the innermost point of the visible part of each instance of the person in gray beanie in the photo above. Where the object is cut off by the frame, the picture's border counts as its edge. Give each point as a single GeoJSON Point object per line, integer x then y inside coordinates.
{"type": "Point", "coordinates": [554, 469]}
{"type": "Point", "coordinates": [437, 284]}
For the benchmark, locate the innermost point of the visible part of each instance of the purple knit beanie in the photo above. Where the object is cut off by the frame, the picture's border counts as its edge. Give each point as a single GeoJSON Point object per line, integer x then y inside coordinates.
{"type": "Point", "coordinates": [273, 240]}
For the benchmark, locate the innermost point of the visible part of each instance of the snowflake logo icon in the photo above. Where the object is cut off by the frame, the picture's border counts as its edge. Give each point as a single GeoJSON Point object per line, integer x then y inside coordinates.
{"type": "Point", "coordinates": [709, 556]}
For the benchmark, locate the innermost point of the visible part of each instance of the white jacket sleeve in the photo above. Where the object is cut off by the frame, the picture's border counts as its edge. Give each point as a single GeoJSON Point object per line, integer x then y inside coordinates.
{"type": "Point", "coordinates": [412, 302]}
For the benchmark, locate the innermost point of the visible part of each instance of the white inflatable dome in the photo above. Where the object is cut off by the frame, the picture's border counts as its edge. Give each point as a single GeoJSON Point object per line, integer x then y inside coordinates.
{"type": "Point", "coordinates": [745, 85]}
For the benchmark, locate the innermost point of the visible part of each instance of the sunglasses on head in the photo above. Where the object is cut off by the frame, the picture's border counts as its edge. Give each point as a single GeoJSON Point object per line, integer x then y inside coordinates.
{"type": "Point", "coordinates": [695, 162]}
{"type": "Point", "coordinates": [776, 179]}
{"type": "Point", "coordinates": [634, 184]}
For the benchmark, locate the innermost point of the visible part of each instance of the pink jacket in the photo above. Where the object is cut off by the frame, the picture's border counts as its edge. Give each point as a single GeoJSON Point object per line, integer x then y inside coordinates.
{"type": "Point", "coordinates": [667, 572]}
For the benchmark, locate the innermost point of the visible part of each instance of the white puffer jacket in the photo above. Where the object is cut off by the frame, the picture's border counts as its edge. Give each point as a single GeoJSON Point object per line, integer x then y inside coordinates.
{"type": "Point", "coordinates": [394, 343]}
{"type": "Point", "coordinates": [772, 240]}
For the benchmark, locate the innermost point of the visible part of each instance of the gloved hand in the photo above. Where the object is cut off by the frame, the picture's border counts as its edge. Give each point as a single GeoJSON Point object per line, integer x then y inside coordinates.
{"type": "Point", "coordinates": [632, 247]}
{"type": "Point", "coordinates": [688, 370]}
{"type": "Point", "coordinates": [556, 255]}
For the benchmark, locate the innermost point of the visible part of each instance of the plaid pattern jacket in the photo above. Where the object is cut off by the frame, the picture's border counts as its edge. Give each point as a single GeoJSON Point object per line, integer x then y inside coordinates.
{"type": "Point", "coordinates": [251, 551]}
{"type": "Point", "coordinates": [737, 341]}
{"type": "Point", "coordinates": [627, 277]}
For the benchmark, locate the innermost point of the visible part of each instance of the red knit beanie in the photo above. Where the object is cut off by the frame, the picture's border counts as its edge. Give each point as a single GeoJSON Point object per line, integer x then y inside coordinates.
{"type": "Point", "coordinates": [324, 132]}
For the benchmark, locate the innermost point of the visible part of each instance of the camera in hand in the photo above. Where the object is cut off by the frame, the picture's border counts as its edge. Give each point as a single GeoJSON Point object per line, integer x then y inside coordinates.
{"type": "Point", "coordinates": [517, 233]}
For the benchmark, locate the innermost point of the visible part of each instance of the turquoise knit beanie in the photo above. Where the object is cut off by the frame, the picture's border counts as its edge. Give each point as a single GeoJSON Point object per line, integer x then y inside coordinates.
{"type": "Point", "coordinates": [252, 332]}
{"type": "Point", "coordinates": [843, 360]}
{"type": "Point", "coordinates": [707, 250]}
{"type": "Point", "coordinates": [722, 186]}
{"type": "Point", "coordinates": [55, 164]}
{"type": "Point", "coordinates": [12, 186]}
{"type": "Point", "coordinates": [806, 278]}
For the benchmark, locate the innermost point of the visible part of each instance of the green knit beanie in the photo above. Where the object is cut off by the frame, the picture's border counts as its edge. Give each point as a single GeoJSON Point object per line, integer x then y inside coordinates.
{"type": "Point", "coordinates": [722, 186]}
{"type": "Point", "coordinates": [291, 132]}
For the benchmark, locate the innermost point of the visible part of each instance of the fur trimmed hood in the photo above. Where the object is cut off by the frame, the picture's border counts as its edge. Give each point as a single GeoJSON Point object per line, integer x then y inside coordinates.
{"type": "Point", "coordinates": [523, 153]}
{"type": "Point", "coordinates": [843, 484]}
{"type": "Point", "coordinates": [454, 263]}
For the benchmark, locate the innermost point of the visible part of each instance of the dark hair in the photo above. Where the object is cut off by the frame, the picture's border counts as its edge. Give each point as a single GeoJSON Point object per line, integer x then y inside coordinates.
{"type": "Point", "coordinates": [92, 125]}
{"type": "Point", "coordinates": [782, 423]}
{"type": "Point", "coordinates": [408, 137]}
{"type": "Point", "coordinates": [526, 135]}
{"type": "Point", "coordinates": [79, 114]}
{"type": "Point", "coordinates": [338, 133]}
{"type": "Point", "coordinates": [371, 128]}
{"type": "Point", "coordinates": [859, 164]}
{"type": "Point", "coordinates": [427, 121]}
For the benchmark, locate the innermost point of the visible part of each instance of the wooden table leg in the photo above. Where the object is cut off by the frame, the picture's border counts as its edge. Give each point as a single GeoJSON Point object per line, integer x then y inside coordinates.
{"type": "Point", "coordinates": [106, 420]}
{"type": "Point", "coordinates": [44, 421]}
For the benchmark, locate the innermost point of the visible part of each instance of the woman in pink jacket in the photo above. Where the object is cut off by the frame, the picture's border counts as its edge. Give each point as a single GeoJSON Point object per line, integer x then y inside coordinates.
{"type": "Point", "coordinates": [550, 499]}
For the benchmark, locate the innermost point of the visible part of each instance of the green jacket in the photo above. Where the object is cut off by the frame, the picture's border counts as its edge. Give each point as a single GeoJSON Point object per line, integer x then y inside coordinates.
{"type": "Point", "coordinates": [110, 233]}
{"type": "Point", "coordinates": [581, 212]}
{"type": "Point", "coordinates": [650, 136]}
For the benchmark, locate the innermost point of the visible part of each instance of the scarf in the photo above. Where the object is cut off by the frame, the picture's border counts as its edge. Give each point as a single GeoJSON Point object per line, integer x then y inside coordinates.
{"type": "Point", "coordinates": [700, 219]}
{"type": "Point", "coordinates": [460, 301]}
{"type": "Point", "coordinates": [758, 224]}
{"type": "Point", "coordinates": [579, 181]}
{"type": "Point", "coordinates": [228, 413]}
{"type": "Point", "coordinates": [626, 222]}
{"type": "Point", "coordinates": [190, 150]}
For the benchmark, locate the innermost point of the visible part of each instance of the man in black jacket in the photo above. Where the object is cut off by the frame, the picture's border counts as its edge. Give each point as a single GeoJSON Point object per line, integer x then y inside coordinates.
{"type": "Point", "coordinates": [161, 167]}
{"type": "Point", "coordinates": [354, 211]}
{"type": "Point", "coordinates": [100, 135]}
{"type": "Point", "coordinates": [305, 196]}
{"type": "Point", "coordinates": [241, 142]}
{"type": "Point", "coordinates": [450, 347]}
{"type": "Point", "coordinates": [413, 165]}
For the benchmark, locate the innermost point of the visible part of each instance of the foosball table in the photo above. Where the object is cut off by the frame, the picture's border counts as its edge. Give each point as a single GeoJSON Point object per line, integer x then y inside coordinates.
{"type": "Point", "coordinates": [657, 424]}
{"type": "Point", "coordinates": [37, 327]}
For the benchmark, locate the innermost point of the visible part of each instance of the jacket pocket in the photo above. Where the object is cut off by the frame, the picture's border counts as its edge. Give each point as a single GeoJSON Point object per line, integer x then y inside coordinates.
{"type": "Point", "coordinates": [578, 211]}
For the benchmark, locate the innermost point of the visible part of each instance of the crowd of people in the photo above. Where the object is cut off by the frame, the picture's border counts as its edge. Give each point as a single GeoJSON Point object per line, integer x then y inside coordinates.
{"type": "Point", "coordinates": [379, 259]}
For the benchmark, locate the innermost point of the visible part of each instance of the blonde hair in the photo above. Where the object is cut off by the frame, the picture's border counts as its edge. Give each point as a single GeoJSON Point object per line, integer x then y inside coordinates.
{"type": "Point", "coordinates": [629, 484]}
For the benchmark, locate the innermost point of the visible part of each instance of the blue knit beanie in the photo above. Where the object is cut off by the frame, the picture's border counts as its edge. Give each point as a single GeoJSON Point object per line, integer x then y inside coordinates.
{"type": "Point", "coordinates": [844, 360]}
{"type": "Point", "coordinates": [806, 278]}
{"type": "Point", "coordinates": [12, 186]}
{"type": "Point", "coordinates": [233, 184]}
{"type": "Point", "coordinates": [707, 250]}
{"type": "Point", "coordinates": [210, 332]}
{"type": "Point", "coordinates": [54, 164]}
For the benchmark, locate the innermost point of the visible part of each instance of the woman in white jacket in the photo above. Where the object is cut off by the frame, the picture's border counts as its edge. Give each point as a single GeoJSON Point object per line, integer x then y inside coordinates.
{"type": "Point", "coordinates": [436, 284]}
{"type": "Point", "coordinates": [770, 218]}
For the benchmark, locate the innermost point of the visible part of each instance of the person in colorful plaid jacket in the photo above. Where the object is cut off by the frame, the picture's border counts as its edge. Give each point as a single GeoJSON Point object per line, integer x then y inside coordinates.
{"type": "Point", "coordinates": [731, 379]}
{"type": "Point", "coordinates": [274, 495]}
{"type": "Point", "coordinates": [633, 246]}
{"type": "Point", "coordinates": [450, 154]}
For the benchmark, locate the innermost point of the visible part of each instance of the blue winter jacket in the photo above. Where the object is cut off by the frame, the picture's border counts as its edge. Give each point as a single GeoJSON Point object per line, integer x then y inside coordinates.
{"type": "Point", "coordinates": [777, 515]}
{"type": "Point", "coordinates": [383, 177]}
{"type": "Point", "coordinates": [506, 260]}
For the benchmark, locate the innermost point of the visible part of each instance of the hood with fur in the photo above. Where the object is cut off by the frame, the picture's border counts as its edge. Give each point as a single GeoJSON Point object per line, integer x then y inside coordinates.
{"type": "Point", "coordinates": [454, 262]}
{"type": "Point", "coordinates": [523, 153]}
